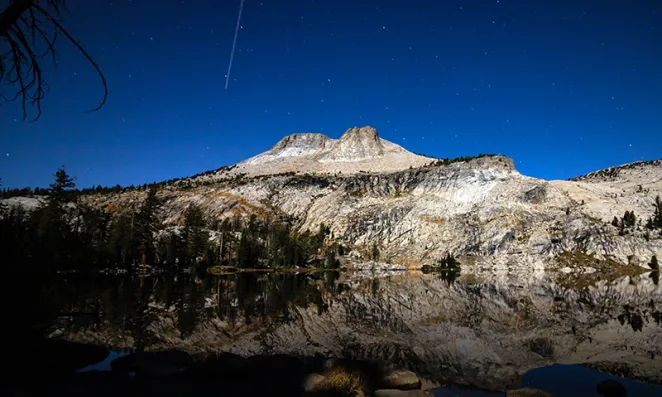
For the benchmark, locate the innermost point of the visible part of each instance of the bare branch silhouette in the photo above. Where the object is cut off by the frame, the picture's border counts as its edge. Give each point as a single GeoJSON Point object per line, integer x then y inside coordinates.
{"type": "Point", "coordinates": [24, 26]}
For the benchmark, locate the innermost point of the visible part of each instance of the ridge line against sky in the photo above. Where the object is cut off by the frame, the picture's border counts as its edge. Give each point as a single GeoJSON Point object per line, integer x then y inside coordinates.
{"type": "Point", "coordinates": [564, 88]}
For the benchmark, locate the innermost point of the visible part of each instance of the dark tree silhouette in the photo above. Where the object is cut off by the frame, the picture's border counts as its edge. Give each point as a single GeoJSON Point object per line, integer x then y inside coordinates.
{"type": "Point", "coordinates": [25, 26]}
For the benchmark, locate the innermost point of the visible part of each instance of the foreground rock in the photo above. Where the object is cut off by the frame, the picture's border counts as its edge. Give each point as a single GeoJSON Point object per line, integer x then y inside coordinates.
{"type": "Point", "coordinates": [400, 379]}
{"type": "Point", "coordinates": [311, 382]}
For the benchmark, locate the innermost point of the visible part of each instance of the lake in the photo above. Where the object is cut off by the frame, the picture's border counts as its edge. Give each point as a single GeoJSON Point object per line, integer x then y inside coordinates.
{"type": "Point", "coordinates": [491, 331]}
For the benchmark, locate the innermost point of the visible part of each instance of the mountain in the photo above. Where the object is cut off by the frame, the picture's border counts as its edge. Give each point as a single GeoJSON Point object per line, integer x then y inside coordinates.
{"type": "Point", "coordinates": [417, 209]}
{"type": "Point", "coordinates": [357, 150]}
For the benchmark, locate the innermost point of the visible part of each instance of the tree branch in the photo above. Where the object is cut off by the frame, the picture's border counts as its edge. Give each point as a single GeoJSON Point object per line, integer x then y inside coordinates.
{"type": "Point", "coordinates": [21, 23]}
{"type": "Point", "coordinates": [10, 15]}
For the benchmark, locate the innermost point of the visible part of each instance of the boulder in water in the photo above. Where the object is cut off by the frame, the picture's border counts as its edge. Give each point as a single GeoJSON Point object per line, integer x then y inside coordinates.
{"type": "Point", "coordinates": [153, 364]}
{"type": "Point", "coordinates": [401, 393]}
{"type": "Point", "coordinates": [611, 388]}
{"type": "Point", "coordinates": [527, 392]}
{"type": "Point", "coordinates": [400, 379]}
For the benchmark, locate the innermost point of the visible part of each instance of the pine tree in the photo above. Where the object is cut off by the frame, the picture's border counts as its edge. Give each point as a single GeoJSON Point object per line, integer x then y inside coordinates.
{"type": "Point", "coordinates": [146, 226]}
{"type": "Point", "coordinates": [61, 191]}
{"type": "Point", "coordinates": [3, 207]}
{"type": "Point", "coordinates": [246, 255]}
{"type": "Point", "coordinates": [615, 222]}
{"type": "Point", "coordinates": [195, 237]}
{"type": "Point", "coordinates": [121, 244]}
{"type": "Point", "coordinates": [654, 264]}
{"type": "Point", "coordinates": [375, 252]}
{"type": "Point", "coordinates": [657, 218]}
{"type": "Point", "coordinates": [649, 224]}
{"type": "Point", "coordinates": [54, 230]}
{"type": "Point", "coordinates": [170, 248]}
{"type": "Point", "coordinates": [629, 219]}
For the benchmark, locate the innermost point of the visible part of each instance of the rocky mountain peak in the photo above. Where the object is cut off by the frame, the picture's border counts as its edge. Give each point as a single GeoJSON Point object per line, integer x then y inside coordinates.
{"type": "Point", "coordinates": [357, 132]}
{"type": "Point", "coordinates": [301, 144]}
{"type": "Point", "coordinates": [359, 149]}
{"type": "Point", "coordinates": [356, 144]}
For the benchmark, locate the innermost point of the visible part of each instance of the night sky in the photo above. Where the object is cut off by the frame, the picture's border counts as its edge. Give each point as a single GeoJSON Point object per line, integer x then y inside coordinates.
{"type": "Point", "coordinates": [564, 87]}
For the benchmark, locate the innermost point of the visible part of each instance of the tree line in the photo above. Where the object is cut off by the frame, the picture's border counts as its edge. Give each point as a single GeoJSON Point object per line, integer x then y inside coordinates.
{"type": "Point", "coordinates": [629, 220]}
{"type": "Point", "coordinates": [64, 233]}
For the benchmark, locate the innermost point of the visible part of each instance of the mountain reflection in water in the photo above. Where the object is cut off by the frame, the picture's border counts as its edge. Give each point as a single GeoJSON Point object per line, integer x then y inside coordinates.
{"type": "Point", "coordinates": [482, 331]}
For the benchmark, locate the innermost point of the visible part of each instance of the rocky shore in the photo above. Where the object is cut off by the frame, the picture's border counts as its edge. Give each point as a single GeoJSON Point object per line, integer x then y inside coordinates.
{"type": "Point", "coordinates": [73, 369]}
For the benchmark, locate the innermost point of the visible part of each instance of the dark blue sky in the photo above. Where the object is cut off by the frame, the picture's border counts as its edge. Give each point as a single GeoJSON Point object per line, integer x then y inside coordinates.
{"type": "Point", "coordinates": [564, 87]}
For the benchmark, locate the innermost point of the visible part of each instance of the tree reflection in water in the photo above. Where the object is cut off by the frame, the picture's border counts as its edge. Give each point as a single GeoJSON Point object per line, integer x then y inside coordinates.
{"type": "Point", "coordinates": [129, 305]}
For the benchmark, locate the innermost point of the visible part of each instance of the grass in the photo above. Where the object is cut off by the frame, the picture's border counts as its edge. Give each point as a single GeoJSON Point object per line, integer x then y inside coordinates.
{"type": "Point", "coordinates": [434, 320]}
{"type": "Point", "coordinates": [433, 219]}
{"type": "Point", "coordinates": [606, 270]}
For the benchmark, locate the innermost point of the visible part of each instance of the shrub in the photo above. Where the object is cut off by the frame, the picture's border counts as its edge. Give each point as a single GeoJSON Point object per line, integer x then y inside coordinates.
{"type": "Point", "coordinates": [542, 346]}
{"type": "Point", "coordinates": [343, 382]}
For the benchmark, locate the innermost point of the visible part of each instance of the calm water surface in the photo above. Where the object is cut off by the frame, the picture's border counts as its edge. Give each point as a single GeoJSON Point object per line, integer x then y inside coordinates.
{"type": "Point", "coordinates": [482, 331]}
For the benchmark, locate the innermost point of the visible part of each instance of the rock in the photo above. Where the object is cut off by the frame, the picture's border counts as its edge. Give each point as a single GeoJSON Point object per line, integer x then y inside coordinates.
{"type": "Point", "coordinates": [527, 392]}
{"type": "Point", "coordinates": [153, 364]}
{"type": "Point", "coordinates": [611, 388]}
{"type": "Point", "coordinates": [400, 379]}
{"type": "Point", "coordinates": [401, 393]}
{"type": "Point", "coordinates": [311, 381]}
{"type": "Point", "coordinates": [330, 363]}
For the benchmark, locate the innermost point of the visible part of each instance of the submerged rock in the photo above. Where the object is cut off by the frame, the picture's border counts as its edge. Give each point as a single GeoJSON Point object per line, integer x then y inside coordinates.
{"type": "Point", "coordinates": [401, 393]}
{"type": "Point", "coordinates": [611, 388]}
{"type": "Point", "coordinates": [528, 392]}
{"type": "Point", "coordinates": [153, 364]}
